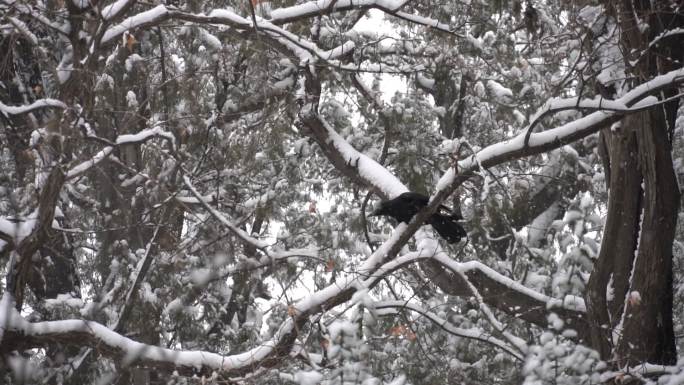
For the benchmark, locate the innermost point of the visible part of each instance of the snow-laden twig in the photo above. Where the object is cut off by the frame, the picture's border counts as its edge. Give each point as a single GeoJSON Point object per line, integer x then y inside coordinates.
{"type": "Point", "coordinates": [597, 104]}
{"type": "Point", "coordinates": [515, 341]}
{"type": "Point", "coordinates": [655, 41]}
{"type": "Point", "coordinates": [364, 169]}
{"type": "Point", "coordinates": [474, 333]}
{"type": "Point", "coordinates": [38, 104]}
{"type": "Point", "coordinates": [14, 329]}
{"type": "Point", "coordinates": [142, 136]}
{"type": "Point", "coordinates": [248, 239]}
{"type": "Point", "coordinates": [23, 29]}
{"type": "Point", "coordinates": [518, 147]}
{"type": "Point", "coordinates": [325, 7]}
{"type": "Point", "coordinates": [264, 247]}
{"type": "Point", "coordinates": [156, 131]}
{"type": "Point", "coordinates": [25, 9]}
{"type": "Point", "coordinates": [89, 333]}
{"type": "Point", "coordinates": [115, 9]}
{"type": "Point", "coordinates": [306, 51]}
{"type": "Point", "coordinates": [88, 164]}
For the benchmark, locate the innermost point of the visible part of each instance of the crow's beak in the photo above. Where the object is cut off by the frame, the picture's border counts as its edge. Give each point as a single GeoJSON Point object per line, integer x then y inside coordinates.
{"type": "Point", "coordinates": [375, 213]}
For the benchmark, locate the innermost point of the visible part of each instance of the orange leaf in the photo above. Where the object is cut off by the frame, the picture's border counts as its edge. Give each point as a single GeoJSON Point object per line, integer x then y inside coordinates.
{"type": "Point", "coordinates": [330, 265]}
{"type": "Point", "coordinates": [312, 207]}
{"type": "Point", "coordinates": [291, 311]}
{"type": "Point", "coordinates": [130, 42]}
{"type": "Point", "coordinates": [397, 331]}
{"type": "Point", "coordinates": [403, 331]}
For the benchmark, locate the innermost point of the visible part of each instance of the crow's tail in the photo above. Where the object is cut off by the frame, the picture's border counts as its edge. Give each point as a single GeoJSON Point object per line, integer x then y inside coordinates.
{"type": "Point", "coordinates": [448, 227]}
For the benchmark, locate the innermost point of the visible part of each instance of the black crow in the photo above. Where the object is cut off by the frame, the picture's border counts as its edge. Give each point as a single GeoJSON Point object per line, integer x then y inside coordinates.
{"type": "Point", "coordinates": [406, 205]}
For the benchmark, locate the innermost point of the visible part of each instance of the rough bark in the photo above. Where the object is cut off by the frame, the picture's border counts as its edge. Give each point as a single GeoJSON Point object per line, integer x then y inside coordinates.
{"type": "Point", "coordinates": [635, 261]}
{"type": "Point", "coordinates": [619, 238]}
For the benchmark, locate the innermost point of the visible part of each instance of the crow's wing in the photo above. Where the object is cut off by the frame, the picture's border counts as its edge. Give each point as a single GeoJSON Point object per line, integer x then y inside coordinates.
{"type": "Point", "coordinates": [447, 227]}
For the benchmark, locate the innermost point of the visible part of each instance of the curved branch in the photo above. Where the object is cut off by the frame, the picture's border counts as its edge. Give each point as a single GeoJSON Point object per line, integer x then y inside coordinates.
{"type": "Point", "coordinates": [38, 104]}
{"type": "Point", "coordinates": [472, 333]}
{"type": "Point", "coordinates": [18, 334]}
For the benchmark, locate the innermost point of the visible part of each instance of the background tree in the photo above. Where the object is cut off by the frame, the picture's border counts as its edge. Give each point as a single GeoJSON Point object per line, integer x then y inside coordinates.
{"type": "Point", "coordinates": [185, 190]}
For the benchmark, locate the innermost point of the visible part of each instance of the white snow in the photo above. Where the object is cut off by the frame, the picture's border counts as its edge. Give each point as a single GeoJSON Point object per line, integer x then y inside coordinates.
{"type": "Point", "coordinates": [368, 168]}
{"type": "Point", "coordinates": [135, 21]}
{"type": "Point", "coordinates": [308, 377]}
{"type": "Point", "coordinates": [23, 29]}
{"type": "Point", "coordinates": [313, 8]}
{"type": "Point", "coordinates": [212, 41]}
{"type": "Point", "coordinates": [40, 103]}
{"type": "Point", "coordinates": [131, 60]}
{"type": "Point", "coordinates": [582, 126]}
{"type": "Point", "coordinates": [112, 10]}
{"type": "Point", "coordinates": [145, 135]}
{"type": "Point", "coordinates": [85, 166]}
{"type": "Point", "coordinates": [500, 93]}
{"type": "Point", "coordinates": [475, 332]}
{"type": "Point", "coordinates": [65, 300]}
{"type": "Point", "coordinates": [131, 100]}
{"type": "Point", "coordinates": [17, 228]}
{"type": "Point", "coordinates": [338, 51]}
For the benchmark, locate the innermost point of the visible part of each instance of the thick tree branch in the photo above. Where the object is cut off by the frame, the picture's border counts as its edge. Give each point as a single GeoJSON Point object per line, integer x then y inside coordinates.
{"type": "Point", "coordinates": [20, 272]}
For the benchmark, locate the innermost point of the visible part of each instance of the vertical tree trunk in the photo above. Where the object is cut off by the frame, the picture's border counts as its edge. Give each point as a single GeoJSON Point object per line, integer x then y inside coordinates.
{"type": "Point", "coordinates": [633, 324]}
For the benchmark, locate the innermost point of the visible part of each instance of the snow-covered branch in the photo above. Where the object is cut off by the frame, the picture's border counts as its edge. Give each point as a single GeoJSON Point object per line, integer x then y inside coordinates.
{"type": "Point", "coordinates": [518, 147]}
{"type": "Point", "coordinates": [597, 104]}
{"type": "Point", "coordinates": [498, 291]}
{"type": "Point", "coordinates": [38, 104]}
{"type": "Point", "coordinates": [304, 50]}
{"type": "Point", "coordinates": [17, 333]}
{"type": "Point", "coordinates": [115, 9]}
{"type": "Point", "coordinates": [325, 7]}
{"type": "Point", "coordinates": [474, 333]}
{"type": "Point", "coordinates": [88, 164]}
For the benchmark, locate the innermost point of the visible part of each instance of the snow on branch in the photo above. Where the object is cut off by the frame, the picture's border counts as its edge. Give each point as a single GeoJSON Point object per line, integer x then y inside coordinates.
{"type": "Point", "coordinates": [270, 254]}
{"type": "Point", "coordinates": [150, 17]}
{"type": "Point", "coordinates": [351, 162]}
{"type": "Point", "coordinates": [23, 29]}
{"type": "Point", "coordinates": [37, 15]}
{"type": "Point", "coordinates": [142, 136]}
{"type": "Point", "coordinates": [475, 333]}
{"type": "Point", "coordinates": [571, 302]}
{"type": "Point", "coordinates": [511, 297]}
{"type": "Point", "coordinates": [14, 230]}
{"type": "Point", "coordinates": [528, 143]}
{"type": "Point", "coordinates": [325, 7]}
{"type": "Point", "coordinates": [85, 166]}
{"type": "Point", "coordinates": [115, 9]}
{"type": "Point", "coordinates": [248, 239]}
{"type": "Point", "coordinates": [145, 135]}
{"type": "Point", "coordinates": [306, 51]}
{"type": "Point", "coordinates": [655, 41]}
{"type": "Point", "coordinates": [15, 330]}
{"type": "Point", "coordinates": [597, 104]}
{"type": "Point", "coordinates": [316, 8]}
{"type": "Point", "coordinates": [38, 104]}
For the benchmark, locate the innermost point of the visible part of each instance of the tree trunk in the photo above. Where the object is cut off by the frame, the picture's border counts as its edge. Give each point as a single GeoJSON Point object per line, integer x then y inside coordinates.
{"type": "Point", "coordinates": [633, 324]}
